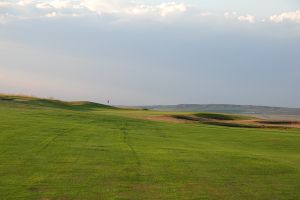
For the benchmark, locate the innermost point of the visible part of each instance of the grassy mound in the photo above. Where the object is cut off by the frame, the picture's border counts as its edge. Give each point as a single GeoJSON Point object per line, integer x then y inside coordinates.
{"type": "Point", "coordinates": [219, 119]}
{"type": "Point", "coordinates": [218, 116]}
{"type": "Point", "coordinates": [53, 103]}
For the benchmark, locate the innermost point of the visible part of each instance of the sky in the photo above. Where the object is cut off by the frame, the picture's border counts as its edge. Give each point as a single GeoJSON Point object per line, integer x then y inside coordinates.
{"type": "Point", "coordinates": [147, 52]}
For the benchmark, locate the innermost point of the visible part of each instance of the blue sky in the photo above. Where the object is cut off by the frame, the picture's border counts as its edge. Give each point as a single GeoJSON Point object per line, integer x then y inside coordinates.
{"type": "Point", "coordinates": [152, 52]}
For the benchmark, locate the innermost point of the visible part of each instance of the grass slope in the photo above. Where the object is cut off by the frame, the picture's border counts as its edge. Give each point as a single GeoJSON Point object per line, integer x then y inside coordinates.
{"type": "Point", "coordinates": [105, 154]}
{"type": "Point", "coordinates": [52, 103]}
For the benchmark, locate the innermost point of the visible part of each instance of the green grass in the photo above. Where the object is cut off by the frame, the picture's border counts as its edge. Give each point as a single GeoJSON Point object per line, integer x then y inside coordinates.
{"type": "Point", "coordinates": [49, 152]}
{"type": "Point", "coordinates": [52, 103]}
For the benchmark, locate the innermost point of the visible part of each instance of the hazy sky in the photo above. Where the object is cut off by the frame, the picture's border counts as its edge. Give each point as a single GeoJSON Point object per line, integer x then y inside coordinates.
{"type": "Point", "coordinates": [152, 51]}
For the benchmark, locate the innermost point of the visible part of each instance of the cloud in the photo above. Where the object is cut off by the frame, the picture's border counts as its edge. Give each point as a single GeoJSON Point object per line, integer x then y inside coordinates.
{"type": "Point", "coordinates": [247, 18]}
{"type": "Point", "coordinates": [171, 8]}
{"type": "Point", "coordinates": [242, 18]}
{"type": "Point", "coordinates": [24, 2]}
{"type": "Point", "coordinates": [6, 17]}
{"type": "Point", "coordinates": [5, 4]}
{"type": "Point", "coordinates": [132, 9]}
{"type": "Point", "coordinates": [54, 5]}
{"type": "Point", "coordinates": [2, 19]}
{"type": "Point", "coordinates": [286, 16]}
{"type": "Point", "coordinates": [52, 14]}
{"type": "Point", "coordinates": [230, 15]}
{"type": "Point", "coordinates": [112, 7]}
{"type": "Point", "coordinates": [36, 8]}
{"type": "Point", "coordinates": [123, 10]}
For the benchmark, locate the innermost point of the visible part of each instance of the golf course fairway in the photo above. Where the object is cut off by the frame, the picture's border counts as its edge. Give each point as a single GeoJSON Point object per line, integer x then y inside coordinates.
{"type": "Point", "coordinates": [49, 151]}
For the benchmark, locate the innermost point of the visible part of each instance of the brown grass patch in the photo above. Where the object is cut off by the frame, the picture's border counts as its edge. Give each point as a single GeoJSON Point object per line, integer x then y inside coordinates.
{"type": "Point", "coordinates": [249, 123]}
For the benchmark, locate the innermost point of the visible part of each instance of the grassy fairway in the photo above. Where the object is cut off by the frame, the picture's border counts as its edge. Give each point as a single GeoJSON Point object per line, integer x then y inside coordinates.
{"type": "Point", "coordinates": [57, 153]}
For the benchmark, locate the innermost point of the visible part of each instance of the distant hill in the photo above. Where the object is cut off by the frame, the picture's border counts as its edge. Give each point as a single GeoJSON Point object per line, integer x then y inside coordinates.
{"type": "Point", "coordinates": [52, 103]}
{"type": "Point", "coordinates": [227, 108]}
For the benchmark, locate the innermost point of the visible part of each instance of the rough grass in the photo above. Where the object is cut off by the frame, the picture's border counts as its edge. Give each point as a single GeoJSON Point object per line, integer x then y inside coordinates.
{"type": "Point", "coordinates": [218, 119]}
{"type": "Point", "coordinates": [56, 153]}
{"type": "Point", "coordinates": [218, 116]}
{"type": "Point", "coordinates": [280, 122]}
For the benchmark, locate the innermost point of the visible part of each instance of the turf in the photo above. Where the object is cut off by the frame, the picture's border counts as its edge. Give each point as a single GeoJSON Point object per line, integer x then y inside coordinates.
{"type": "Point", "coordinates": [49, 152]}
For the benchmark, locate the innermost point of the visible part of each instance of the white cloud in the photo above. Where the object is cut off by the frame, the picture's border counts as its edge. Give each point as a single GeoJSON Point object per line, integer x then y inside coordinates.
{"type": "Point", "coordinates": [43, 6]}
{"type": "Point", "coordinates": [24, 2]}
{"type": "Point", "coordinates": [106, 7]}
{"type": "Point", "coordinates": [130, 8]}
{"type": "Point", "coordinates": [171, 8]}
{"type": "Point", "coordinates": [230, 15]}
{"type": "Point", "coordinates": [242, 18]}
{"type": "Point", "coordinates": [52, 14]}
{"type": "Point", "coordinates": [122, 10]}
{"type": "Point", "coordinates": [247, 18]}
{"type": "Point", "coordinates": [30, 9]}
{"type": "Point", "coordinates": [5, 18]}
{"type": "Point", "coordinates": [286, 16]}
{"type": "Point", "coordinates": [5, 4]}
{"type": "Point", "coordinates": [2, 19]}
{"type": "Point", "coordinates": [59, 5]}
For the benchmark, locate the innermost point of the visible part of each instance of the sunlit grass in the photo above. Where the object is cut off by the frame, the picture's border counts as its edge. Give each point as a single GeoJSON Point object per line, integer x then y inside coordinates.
{"type": "Point", "coordinates": [49, 152]}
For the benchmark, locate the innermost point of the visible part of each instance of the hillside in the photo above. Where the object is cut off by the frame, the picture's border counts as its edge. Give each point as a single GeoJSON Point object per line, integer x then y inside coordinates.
{"type": "Point", "coordinates": [52, 103]}
{"type": "Point", "coordinates": [51, 150]}
{"type": "Point", "coordinates": [227, 108]}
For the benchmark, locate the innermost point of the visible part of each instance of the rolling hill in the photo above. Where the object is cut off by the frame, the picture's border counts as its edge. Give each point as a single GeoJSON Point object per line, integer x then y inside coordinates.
{"type": "Point", "coordinates": [52, 103]}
